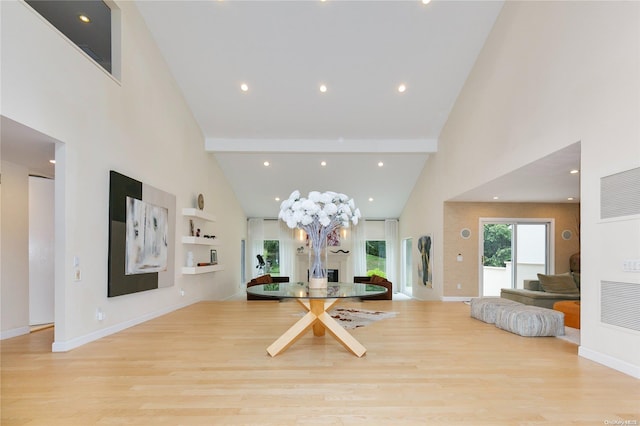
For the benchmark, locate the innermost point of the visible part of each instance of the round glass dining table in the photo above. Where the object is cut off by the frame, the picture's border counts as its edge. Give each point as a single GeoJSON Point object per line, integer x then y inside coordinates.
{"type": "Point", "coordinates": [317, 302]}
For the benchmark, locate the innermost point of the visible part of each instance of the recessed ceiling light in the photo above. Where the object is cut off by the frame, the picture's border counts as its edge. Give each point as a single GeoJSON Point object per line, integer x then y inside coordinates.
{"type": "Point", "coordinates": [380, 164]}
{"type": "Point", "coordinates": [277, 198]}
{"type": "Point", "coordinates": [570, 198]}
{"type": "Point", "coordinates": [52, 161]}
{"type": "Point", "coordinates": [574, 171]}
{"type": "Point", "coordinates": [323, 88]}
{"type": "Point", "coordinates": [426, 1]}
{"type": "Point", "coordinates": [266, 164]}
{"type": "Point", "coordinates": [323, 163]}
{"type": "Point", "coordinates": [402, 88]}
{"type": "Point", "coordinates": [496, 198]}
{"type": "Point", "coordinates": [370, 198]}
{"type": "Point", "coordinates": [84, 18]}
{"type": "Point", "coordinates": [244, 87]}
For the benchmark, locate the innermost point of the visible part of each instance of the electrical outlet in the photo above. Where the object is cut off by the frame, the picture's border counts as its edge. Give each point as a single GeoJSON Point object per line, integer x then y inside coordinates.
{"type": "Point", "coordinates": [77, 275]}
{"type": "Point", "coordinates": [459, 286]}
{"type": "Point", "coordinates": [100, 316]}
{"type": "Point", "coordinates": [181, 292]}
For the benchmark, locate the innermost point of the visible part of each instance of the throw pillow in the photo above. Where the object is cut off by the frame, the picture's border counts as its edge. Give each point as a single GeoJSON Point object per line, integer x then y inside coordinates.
{"type": "Point", "coordinates": [264, 279]}
{"type": "Point", "coordinates": [576, 278]}
{"type": "Point", "coordinates": [562, 284]}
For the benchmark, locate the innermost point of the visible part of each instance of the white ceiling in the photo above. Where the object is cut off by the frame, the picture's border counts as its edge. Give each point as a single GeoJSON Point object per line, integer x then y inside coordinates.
{"type": "Point", "coordinates": [546, 180]}
{"type": "Point", "coordinates": [22, 145]}
{"type": "Point", "coordinates": [362, 50]}
{"type": "Point", "coordinates": [284, 50]}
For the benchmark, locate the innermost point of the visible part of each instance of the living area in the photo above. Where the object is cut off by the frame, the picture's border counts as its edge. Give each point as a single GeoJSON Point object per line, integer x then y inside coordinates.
{"type": "Point", "coordinates": [244, 102]}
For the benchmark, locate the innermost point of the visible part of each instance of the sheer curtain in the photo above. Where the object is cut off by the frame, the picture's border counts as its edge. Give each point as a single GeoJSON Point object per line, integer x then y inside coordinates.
{"type": "Point", "coordinates": [358, 250]}
{"type": "Point", "coordinates": [391, 242]}
{"type": "Point", "coordinates": [255, 235]}
{"type": "Point", "coordinates": [287, 252]}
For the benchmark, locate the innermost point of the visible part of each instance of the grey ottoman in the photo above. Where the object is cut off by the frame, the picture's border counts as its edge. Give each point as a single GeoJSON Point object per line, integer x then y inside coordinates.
{"type": "Point", "coordinates": [485, 308]}
{"type": "Point", "coordinates": [530, 321]}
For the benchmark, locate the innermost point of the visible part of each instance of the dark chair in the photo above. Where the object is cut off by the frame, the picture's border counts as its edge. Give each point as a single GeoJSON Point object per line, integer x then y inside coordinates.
{"type": "Point", "coordinates": [376, 280]}
{"type": "Point", "coordinates": [264, 279]}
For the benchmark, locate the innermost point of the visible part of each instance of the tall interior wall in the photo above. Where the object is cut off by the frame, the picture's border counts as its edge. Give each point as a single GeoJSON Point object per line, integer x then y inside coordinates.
{"type": "Point", "coordinates": [14, 238]}
{"type": "Point", "coordinates": [551, 74]}
{"type": "Point", "coordinates": [138, 125]}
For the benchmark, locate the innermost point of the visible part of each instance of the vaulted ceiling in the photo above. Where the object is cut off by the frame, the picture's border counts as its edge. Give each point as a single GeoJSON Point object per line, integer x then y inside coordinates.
{"type": "Point", "coordinates": [284, 51]}
{"type": "Point", "coordinates": [373, 137]}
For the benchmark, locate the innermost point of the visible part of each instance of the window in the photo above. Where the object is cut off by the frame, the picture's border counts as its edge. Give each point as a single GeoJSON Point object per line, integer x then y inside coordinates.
{"type": "Point", "coordinates": [376, 251]}
{"type": "Point", "coordinates": [87, 23]}
{"type": "Point", "coordinates": [271, 256]}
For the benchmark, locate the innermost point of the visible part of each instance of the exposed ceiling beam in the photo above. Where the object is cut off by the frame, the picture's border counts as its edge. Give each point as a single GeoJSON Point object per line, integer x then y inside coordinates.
{"type": "Point", "coordinates": [425, 146]}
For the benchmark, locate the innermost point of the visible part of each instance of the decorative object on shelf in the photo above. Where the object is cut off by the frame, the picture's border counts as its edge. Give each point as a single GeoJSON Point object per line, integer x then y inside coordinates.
{"type": "Point", "coordinates": [214, 257]}
{"type": "Point", "coordinates": [201, 201]}
{"type": "Point", "coordinates": [340, 251]}
{"type": "Point", "coordinates": [300, 249]}
{"type": "Point", "coordinates": [190, 260]}
{"type": "Point", "coordinates": [198, 232]}
{"type": "Point", "coordinates": [191, 228]}
{"type": "Point", "coordinates": [318, 215]}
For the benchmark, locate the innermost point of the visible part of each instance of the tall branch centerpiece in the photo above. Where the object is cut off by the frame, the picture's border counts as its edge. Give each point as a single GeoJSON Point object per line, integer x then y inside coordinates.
{"type": "Point", "coordinates": [318, 215]}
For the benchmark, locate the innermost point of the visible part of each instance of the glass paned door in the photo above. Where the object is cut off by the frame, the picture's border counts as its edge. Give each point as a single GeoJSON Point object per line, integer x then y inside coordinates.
{"type": "Point", "coordinates": [513, 251]}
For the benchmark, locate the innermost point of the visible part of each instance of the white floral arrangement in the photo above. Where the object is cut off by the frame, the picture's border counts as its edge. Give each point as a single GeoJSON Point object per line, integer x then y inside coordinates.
{"type": "Point", "coordinates": [318, 215]}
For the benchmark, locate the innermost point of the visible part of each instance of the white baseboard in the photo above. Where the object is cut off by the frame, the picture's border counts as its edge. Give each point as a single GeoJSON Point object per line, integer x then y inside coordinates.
{"type": "Point", "coordinates": [456, 299]}
{"type": "Point", "coordinates": [8, 334]}
{"type": "Point", "coordinates": [103, 332]}
{"type": "Point", "coordinates": [609, 361]}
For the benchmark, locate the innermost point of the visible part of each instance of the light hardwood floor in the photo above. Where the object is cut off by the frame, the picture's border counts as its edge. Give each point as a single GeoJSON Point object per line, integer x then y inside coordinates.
{"type": "Point", "coordinates": [207, 365]}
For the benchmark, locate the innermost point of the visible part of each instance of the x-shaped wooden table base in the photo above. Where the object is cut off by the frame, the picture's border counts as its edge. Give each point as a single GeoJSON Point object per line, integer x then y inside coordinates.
{"type": "Point", "coordinates": [318, 318]}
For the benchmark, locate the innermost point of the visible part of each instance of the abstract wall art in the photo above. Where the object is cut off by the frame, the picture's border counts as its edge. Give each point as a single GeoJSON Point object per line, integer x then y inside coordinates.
{"type": "Point", "coordinates": [425, 247]}
{"type": "Point", "coordinates": [147, 234]}
{"type": "Point", "coordinates": [141, 236]}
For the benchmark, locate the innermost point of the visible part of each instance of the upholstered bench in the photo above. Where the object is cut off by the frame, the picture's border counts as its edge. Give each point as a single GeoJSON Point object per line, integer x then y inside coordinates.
{"type": "Point", "coordinates": [485, 308]}
{"type": "Point", "coordinates": [530, 321]}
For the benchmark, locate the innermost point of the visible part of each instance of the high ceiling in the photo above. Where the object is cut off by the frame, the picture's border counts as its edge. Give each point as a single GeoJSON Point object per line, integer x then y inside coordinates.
{"type": "Point", "coordinates": [284, 51]}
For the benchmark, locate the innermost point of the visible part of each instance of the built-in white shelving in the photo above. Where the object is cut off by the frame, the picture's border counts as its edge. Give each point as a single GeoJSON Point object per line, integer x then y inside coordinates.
{"type": "Point", "coordinates": [201, 240]}
{"type": "Point", "coordinates": [200, 214]}
{"type": "Point", "coordinates": [197, 214]}
{"type": "Point", "coordinates": [201, 269]}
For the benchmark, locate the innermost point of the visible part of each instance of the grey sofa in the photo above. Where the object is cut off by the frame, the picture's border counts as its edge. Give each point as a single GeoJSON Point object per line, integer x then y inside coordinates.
{"type": "Point", "coordinates": [534, 295]}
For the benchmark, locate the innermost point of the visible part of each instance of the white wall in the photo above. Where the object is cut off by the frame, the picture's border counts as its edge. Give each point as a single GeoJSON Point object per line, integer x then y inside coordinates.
{"type": "Point", "coordinates": [550, 74]}
{"type": "Point", "coordinates": [139, 126]}
{"type": "Point", "coordinates": [14, 238]}
{"type": "Point", "coordinates": [41, 250]}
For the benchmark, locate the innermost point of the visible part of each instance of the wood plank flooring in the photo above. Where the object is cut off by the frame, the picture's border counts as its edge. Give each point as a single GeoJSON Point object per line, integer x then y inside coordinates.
{"type": "Point", "coordinates": [207, 365]}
